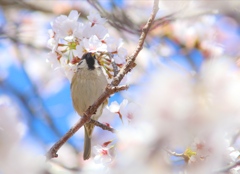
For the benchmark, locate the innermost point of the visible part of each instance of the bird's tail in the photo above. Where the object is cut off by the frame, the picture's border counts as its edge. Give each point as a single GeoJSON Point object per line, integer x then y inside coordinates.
{"type": "Point", "coordinates": [88, 128]}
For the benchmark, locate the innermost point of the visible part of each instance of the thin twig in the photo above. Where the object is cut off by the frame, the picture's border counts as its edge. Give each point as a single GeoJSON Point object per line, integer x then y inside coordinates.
{"type": "Point", "coordinates": [117, 20]}
{"type": "Point", "coordinates": [103, 126]}
{"type": "Point", "coordinates": [119, 88]}
{"type": "Point", "coordinates": [110, 89]}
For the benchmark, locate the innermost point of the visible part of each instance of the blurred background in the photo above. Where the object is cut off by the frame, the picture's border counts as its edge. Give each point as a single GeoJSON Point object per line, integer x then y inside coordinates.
{"type": "Point", "coordinates": [183, 36]}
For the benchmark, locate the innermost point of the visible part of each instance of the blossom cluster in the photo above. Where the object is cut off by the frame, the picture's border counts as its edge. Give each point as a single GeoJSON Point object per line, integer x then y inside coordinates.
{"type": "Point", "coordinates": [70, 39]}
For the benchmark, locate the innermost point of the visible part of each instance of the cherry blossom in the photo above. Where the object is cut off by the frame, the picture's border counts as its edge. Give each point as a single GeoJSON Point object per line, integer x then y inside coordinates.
{"type": "Point", "coordinates": [53, 41]}
{"type": "Point", "coordinates": [80, 50]}
{"type": "Point", "coordinates": [73, 15]}
{"type": "Point", "coordinates": [52, 59]}
{"type": "Point", "coordinates": [115, 46]}
{"type": "Point", "coordinates": [115, 107]}
{"type": "Point", "coordinates": [95, 18]}
{"type": "Point", "coordinates": [70, 39]}
{"type": "Point", "coordinates": [125, 110]}
{"type": "Point", "coordinates": [130, 111]}
{"type": "Point", "coordinates": [98, 30]}
{"type": "Point", "coordinates": [65, 26]}
{"type": "Point", "coordinates": [93, 44]}
{"type": "Point", "coordinates": [79, 32]}
{"type": "Point", "coordinates": [102, 154]}
{"type": "Point", "coordinates": [68, 29]}
{"type": "Point", "coordinates": [120, 57]}
{"type": "Point", "coordinates": [69, 70]}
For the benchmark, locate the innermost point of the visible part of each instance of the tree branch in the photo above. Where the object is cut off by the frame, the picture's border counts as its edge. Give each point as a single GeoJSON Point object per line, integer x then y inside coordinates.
{"type": "Point", "coordinates": [52, 153]}
{"type": "Point", "coordinates": [110, 89]}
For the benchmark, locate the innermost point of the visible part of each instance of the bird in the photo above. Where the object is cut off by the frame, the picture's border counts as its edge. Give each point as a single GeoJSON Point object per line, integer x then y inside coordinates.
{"type": "Point", "coordinates": [88, 83]}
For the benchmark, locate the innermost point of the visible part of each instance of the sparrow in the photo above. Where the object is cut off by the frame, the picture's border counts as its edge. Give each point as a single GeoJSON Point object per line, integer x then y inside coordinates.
{"type": "Point", "coordinates": [88, 83]}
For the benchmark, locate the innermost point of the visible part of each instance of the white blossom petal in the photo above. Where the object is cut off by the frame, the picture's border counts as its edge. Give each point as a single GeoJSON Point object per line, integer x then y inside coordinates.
{"type": "Point", "coordinates": [52, 59]}
{"type": "Point", "coordinates": [73, 15]}
{"type": "Point", "coordinates": [79, 51]}
{"type": "Point", "coordinates": [95, 18]}
{"type": "Point", "coordinates": [114, 107]}
{"type": "Point", "coordinates": [112, 44]}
